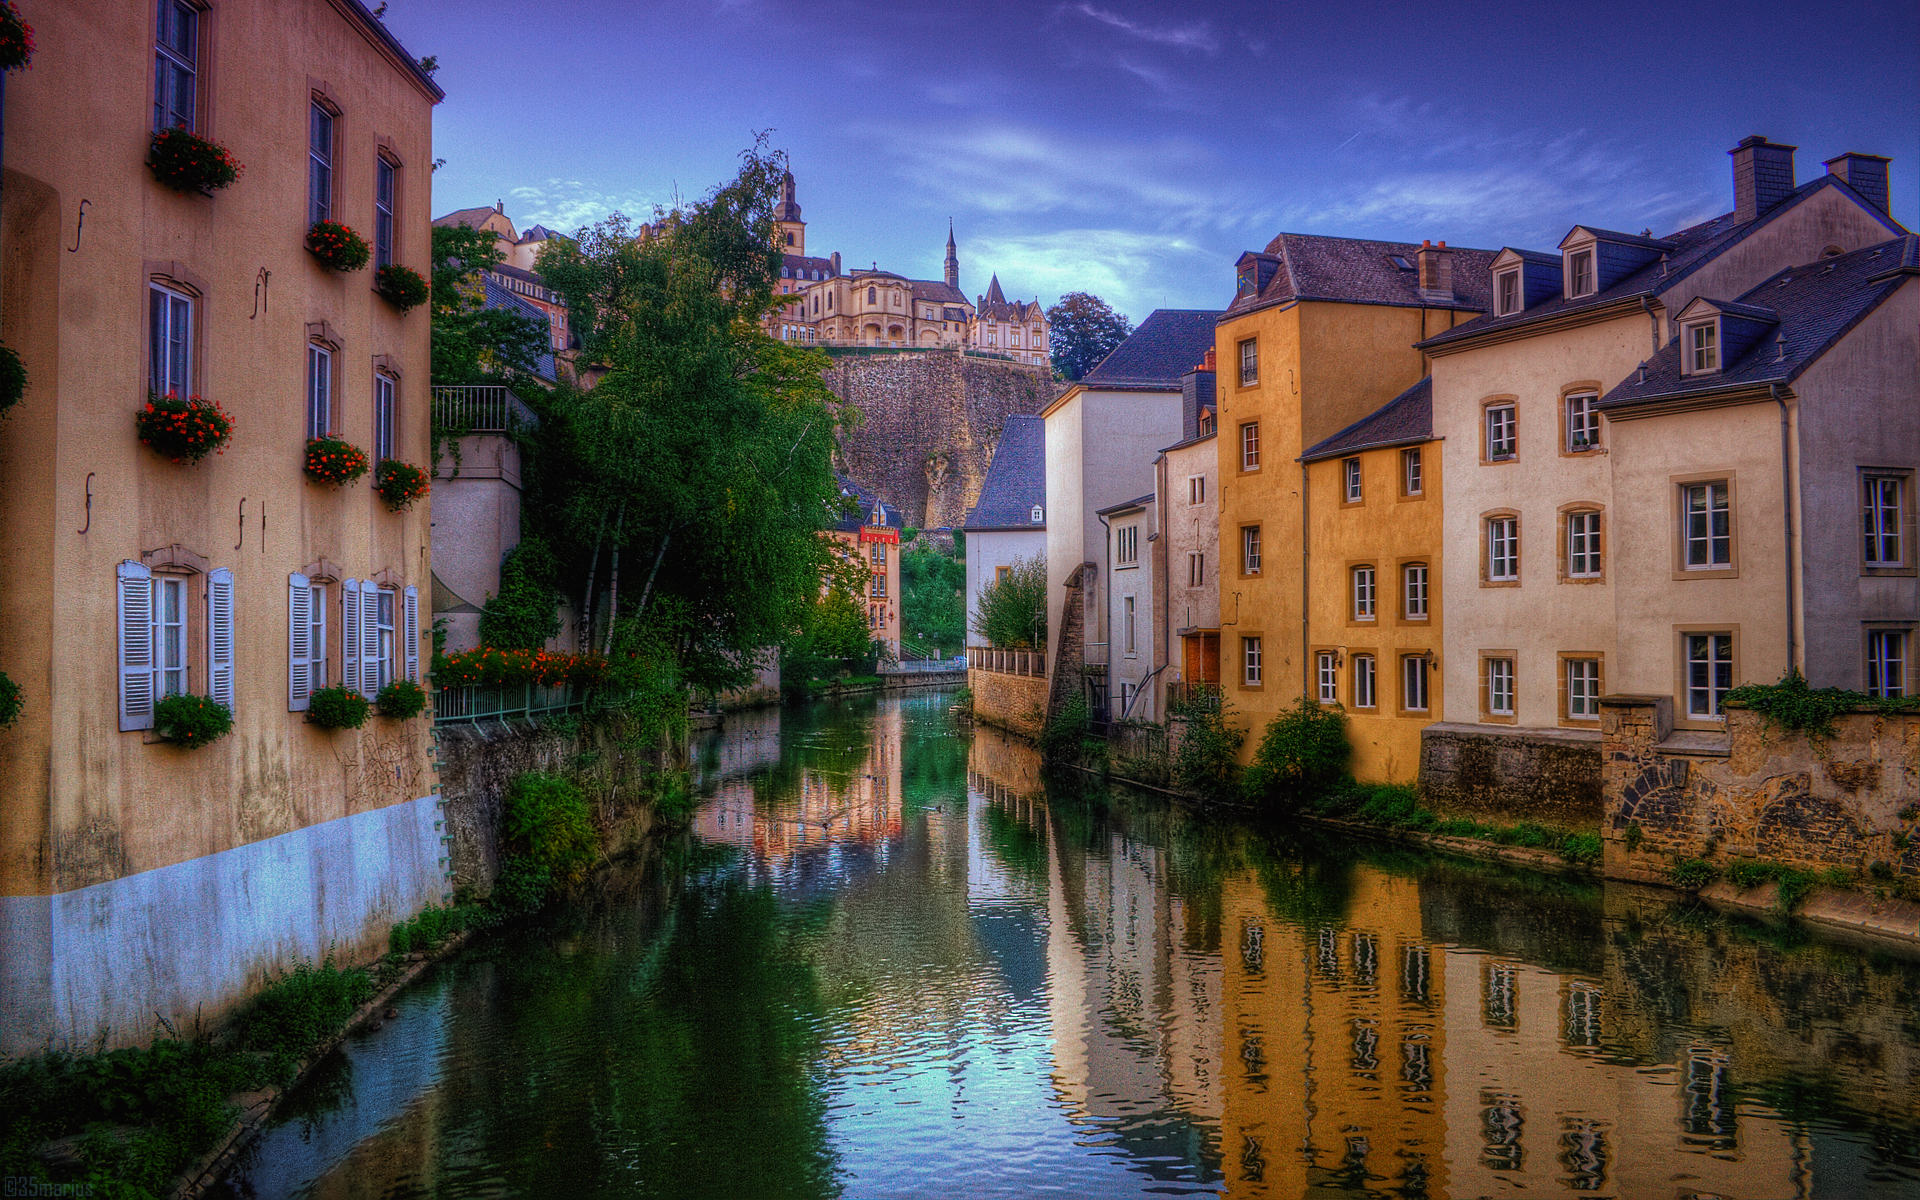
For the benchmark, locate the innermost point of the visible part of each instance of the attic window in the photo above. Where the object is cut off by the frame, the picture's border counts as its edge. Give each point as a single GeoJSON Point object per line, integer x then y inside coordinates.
{"type": "Point", "coordinates": [1579, 274]}
{"type": "Point", "coordinates": [1400, 261]}
{"type": "Point", "coordinates": [1039, 514]}
{"type": "Point", "coordinates": [1244, 285]}
{"type": "Point", "coordinates": [1509, 292]}
{"type": "Point", "coordinates": [1702, 347]}
{"type": "Point", "coordinates": [1831, 252]}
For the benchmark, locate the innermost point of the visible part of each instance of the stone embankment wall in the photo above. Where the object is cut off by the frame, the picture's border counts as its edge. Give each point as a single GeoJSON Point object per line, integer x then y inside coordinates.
{"type": "Point", "coordinates": [1013, 700]}
{"type": "Point", "coordinates": [931, 420]}
{"type": "Point", "coordinates": [1547, 776]}
{"type": "Point", "coordinates": [1848, 801]}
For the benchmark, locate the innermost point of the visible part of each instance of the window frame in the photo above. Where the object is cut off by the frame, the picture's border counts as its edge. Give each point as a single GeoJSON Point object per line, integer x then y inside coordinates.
{"type": "Point", "coordinates": [1249, 360]}
{"type": "Point", "coordinates": [1126, 547]}
{"type": "Point", "coordinates": [1679, 489]}
{"type": "Point", "coordinates": [322, 373]}
{"type": "Point", "coordinates": [1507, 291]}
{"type": "Point", "coordinates": [1196, 490]}
{"type": "Point", "coordinates": [1352, 482]}
{"type": "Point", "coordinates": [1488, 560]}
{"type": "Point", "coordinates": [1585, 397]}
{"type": "Point", "coordinates": [168, 56]}
{"type": "Point", "coordinates": [386, 177]}
{"type": "Point", "coordinates": [322, 167]}
{"type": "Point", "coordinates": [386, 624]}
{"type": "Point", "coordinates": [1693, 347]}
{"type": "Point", "coordinates": [1252, 663]}
{"type": "Point", "coordinates": [1874, 667]}
{"type": "Point", "coordinates": [1408, 594]}
{"type": "Point", "coordinates": [386, 413]}
{"type": "Point", "coordinates": [1408, 674]}
{"type": "Point", "coordinates": [1568, 661]}
{"type": "Point", "coordinates": [1489, 424]}
{"type": "Point", "coordinates": [1579, 260]}
{"type": "Point", "coordinates": [1903, 512]}
{"type": "Point", "coordinates": [1493, 665]}
{"type": "Point", "coordinates": [1196, 568]}
{"type": "Point", "coordinates": [164, 297]}
{"type": "Point", "coordinates": [1365, 685]}
{"type": "Point", "coordinates": [1413, 481]}
{"type": "Point", "coordinates": [1249, 447]}
{"type": "Point", "coordinates": [1249, 551]}
{"type": "Point", "coordinates": [1363, 585]}
{"type": "Point", "coordinates": [1568, 556]}
{"type": "Point", "coordinates": [1128, 609]}
{"type": "Point", "coordinates": [1684, 714]}
{"type": "Point", "coordinates": [1326, 675]}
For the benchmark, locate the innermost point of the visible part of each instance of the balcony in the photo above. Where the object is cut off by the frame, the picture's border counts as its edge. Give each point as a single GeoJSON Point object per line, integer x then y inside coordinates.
{"type": "Point", "coordinates": [480, 408]}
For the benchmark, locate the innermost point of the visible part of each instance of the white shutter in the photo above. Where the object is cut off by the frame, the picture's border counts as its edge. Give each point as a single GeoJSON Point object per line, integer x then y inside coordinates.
{"type": "Point", "coordinates": [369, 640]}
{"type": "Point", "coordinates": [410, 634]}
{"type": "Point", "coordinates": [299, 635]}
{"type": "Point", "coordinates": [350, 634]}
{"type": "Point", "coordinates": [139, 681]}
{"type": "Point", "coordinates": [220, 636]}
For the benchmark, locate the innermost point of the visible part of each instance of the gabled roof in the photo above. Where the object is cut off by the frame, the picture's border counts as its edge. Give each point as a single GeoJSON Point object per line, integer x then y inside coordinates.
{"type": "Point", "coordinates": [1125, 505]}
{"type": "Point", "coordinates": [1405, 419]}
{"type": "Point", "coordinates": [1016, 480]}
{"type": "Point", "coordinates": [1165, 347]}
{"type": "Point", "coordinates": [807, 262]}
{"type": "Point", "coordinates": [499, 297]}
{"type": "Point", "coordinates": [475, 217]}
{"type": "Point", "coordinates": [1814, 304]}
{"type": "Point", "coordinates": [1693, 248]}
{"type": "Point", "coordinates": [1644, 241]}
{"type": "Point", "coordinates": [867, 500]}
{"type": "Point", "coordinates": [513, 272]}
{"type": "Point", "coordinates": [1358, 271]}
{"type": "Point", "coordinates": [994, 295]}
{"type": "Point", "coordinates": [936, 291]}
{"type": "Point", "coordinates": [539, 233]}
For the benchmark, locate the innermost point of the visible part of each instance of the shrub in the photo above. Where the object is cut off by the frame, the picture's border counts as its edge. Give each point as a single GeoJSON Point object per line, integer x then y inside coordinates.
{"type": "Point", "coordinates": [1013, 608]}
{"type": "Point", "coordinates": [1304, 750]}
{"type": "Point", "coordinates": [1581, 848]}
{"type": "Point", "coordinates": [13, 378]}
{"type": "Point", "coordinates": [526, 610]}
{"type": "Point", "coordinates": [403, 287]}
{"type": "Point", "coordinates": [331, 460]}
{"type": "Point", "coordinates": [430, 926]}
{"type": "Point", "coordinates": [402, 699]}
{"type": "Point", "coordinates": [338, 707]}
{"type": "Point", "coordinates": [192, 721]}
{"type": "Point", "coordinates": [337, 246]}
{"type": "Point", "coordinates": [187, 162]}
{"type": "Point", "coordinates": [12, 701]}
{"type": "Point", "coordinates": [1208, 760]}
{"type": "Point", "coordinates": [547, 820]}
{"type": "Point", "coordinates": [400, 484]}
{"type": "Point", "coordinates": [523, 886]}
{"type": "Point", "coordinates": [1792, 705]}
{"type": "Point", "coordinates": [185, 431]}
{"type": "Point", "coordinates": [1066, 731]}
{"type": "Point", "coordinates": [303, 1008]}
{"type": "Point", "coordinates": [1692, 873]}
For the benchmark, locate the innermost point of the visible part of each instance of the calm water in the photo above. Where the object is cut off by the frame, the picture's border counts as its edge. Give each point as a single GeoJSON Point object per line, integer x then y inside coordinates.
{"type": "Point", "coordinates": [887, 962]}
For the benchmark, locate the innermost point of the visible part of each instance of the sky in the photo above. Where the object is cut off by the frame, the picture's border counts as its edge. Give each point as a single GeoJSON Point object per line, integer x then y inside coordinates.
{"type": "Point", "coordinates": [1134, 148]}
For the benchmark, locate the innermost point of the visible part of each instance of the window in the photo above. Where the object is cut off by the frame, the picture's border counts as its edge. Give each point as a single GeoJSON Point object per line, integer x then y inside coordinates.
{"type": "Point", "coordinates": [1709, 673]}
{"type": "Point", "coordinates": [1499, 687]}
{"type": "Point", "coordinates": [1327, 672]}
{"type": "Point", "coordinates": [1887, 662]}
{"type": "Point", "coordinates": [1002, 574]}
{"type": "Point", "coordinates": [1583, 422]}
{"type": "Point", "coordinates": [319, 165]}
{"type": "Point", "coordinates": [878, 588]}
{"type": "Point", "coordinates": [1127, 545]}
{"type": "Point", "coordinates": [1579, 273]}
{"type": "Point", "coordinates": [154, 644]}
{"type": "Point", "coordinates": [383, 172]}
{"type": "Point", "coordinates": [1196, 489]}
{"type": "Point", "coordinates": [1882, 521]}
{"type": "Point", "coordinates": [170, 633]}
{"type": "Point", "coordinates": [878, 554]}
{"type": "Point", "coordinates": [1413, 683]}
{"type": "Point", "coordinates": [1250, 446]}
{"type": "Point", "coordinates": [176, 57]}
{"type": "Point", "coordinates": [1364, 682]}
{"type": "Point", "coordinates": [1350, 470]}
{"type": "Point", "coordinates": [1583, 689]}
{"type": "Point", "coordinates": [1250, 661]}
{"type": "Point", "coordinates": [1126, 610]}
{"type": "Point", "coordinates": [170, 342]}
{"type": "Point", "coordinates": [1413, 579]}
{"type": "Point", "coordinates": [1708, 526]}
{"type": "Point", "coordinates": [1501, 440]}
{"type": "Point", "coordinates": [306, 640]}
{"type": "Point", "coordinates": [384, 634]}
{"type": "Point", "coordinates": [382, 418]}
{"type": "Point", "coordinates": [873, 295]}
{"type": "Point", "coordinates": [1503, 549]}
{"type": "Point", "coordinates": [1703, 348]}
{"type": "Point", "coordinates": [1363, 594]}
{"type": "Point", "coordinates": [1196, 568]}
{"type": "Point", "coordinates": [1038, 514]}
{"type": "Point", "coordinates": [1206, 422]}
{"type": "Point", "coordinates": [1249, 362]}
{"type": "Point", "coordinates": [319, 390]}
{"type": "Point", "coordinates": [1509, 292]}
{"type": "Point", "coordinates": [1583, 545]}
{"type": "Point", "coordinates": [1249, 549]}
{"type": "Point", "coordinates": [1410, 476]}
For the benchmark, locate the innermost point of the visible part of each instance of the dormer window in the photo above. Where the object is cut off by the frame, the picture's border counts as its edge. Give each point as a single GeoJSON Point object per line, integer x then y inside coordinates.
{"type": "Point", "coordinates": [1579, 274]}
{"type": "Point", "coordinates": [1509, 293]}
{"type": "Point", "coordinates": [1703, 348]}
{"type": "Point", "coordinates": [1244, 284]}
{"type": "Point", "coordinates": [1400, 262]}
{"type": "Point", "coordinates": [1039, 514]}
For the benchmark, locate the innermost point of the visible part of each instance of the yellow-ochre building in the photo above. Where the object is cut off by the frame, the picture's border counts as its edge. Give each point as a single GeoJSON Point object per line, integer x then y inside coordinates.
{"type": "Point", "coordinates": [1320, 336]}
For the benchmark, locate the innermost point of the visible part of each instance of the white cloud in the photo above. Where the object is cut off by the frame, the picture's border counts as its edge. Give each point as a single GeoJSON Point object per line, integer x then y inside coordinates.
{"type": "Point", "coordinates": [1134, 272]}
{"type": "Point", "coordinates": [1187, 37]}
{"type": "Point", "coordinates": [565, 205]}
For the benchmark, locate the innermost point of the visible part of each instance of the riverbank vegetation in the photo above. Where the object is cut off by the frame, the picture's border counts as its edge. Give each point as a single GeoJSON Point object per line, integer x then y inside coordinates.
{"type": "Point", "coordinates": [933, 608]}
{"type": "Point", "coordinates": [1013, 607]}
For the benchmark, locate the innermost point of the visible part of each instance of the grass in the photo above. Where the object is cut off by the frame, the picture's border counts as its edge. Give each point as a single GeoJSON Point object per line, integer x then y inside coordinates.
{"type": "Point", "coordinates": [1397, 806]}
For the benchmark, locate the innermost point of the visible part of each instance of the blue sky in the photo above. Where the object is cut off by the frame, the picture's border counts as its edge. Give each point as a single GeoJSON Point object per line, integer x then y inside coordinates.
{"type": "Point", "coordinates": [1133, 148]}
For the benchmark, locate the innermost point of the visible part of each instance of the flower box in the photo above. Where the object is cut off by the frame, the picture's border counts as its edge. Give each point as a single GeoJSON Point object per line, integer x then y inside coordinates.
{"type": "Point", "coordinates": [191, 721]}
{"type": "Point", "coordinates": [337, 707]}
{"type": "Point", "coordinates": [400, 484]}
{"type": "Point", "coordinates": [403, 287]}
{"type": "Point", "coordinates": [187, 162]}
{"type": "Point", "coordinates": [184, 431]}
{"type": "Point", "coordinates": [333, 461]}
{"type": "Point", "coordinates": [402, 700]}
{"type": "Point", "coordinates": [338, 247]}
{"type": "Point", "coordinates": [16, 39]}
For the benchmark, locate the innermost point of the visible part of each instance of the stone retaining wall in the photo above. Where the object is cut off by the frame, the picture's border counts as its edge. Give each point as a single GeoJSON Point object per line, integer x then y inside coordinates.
{"type": "Point", "coordinates": [1547, 776]}
{"type": "Point", "coordinates": [1015, 703]}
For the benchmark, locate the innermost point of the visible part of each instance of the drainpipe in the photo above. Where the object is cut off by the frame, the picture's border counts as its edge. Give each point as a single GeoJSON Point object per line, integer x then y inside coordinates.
{"type": "Point", "coordinates": [1653, 322]}
{"type": "Point", "coordinates": [1306, 572]}
{"type": "Point", "coordinates": [1788, 497]}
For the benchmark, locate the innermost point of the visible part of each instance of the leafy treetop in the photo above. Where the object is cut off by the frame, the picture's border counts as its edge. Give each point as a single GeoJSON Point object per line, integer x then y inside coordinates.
{"type": "Point", "coordinates": [1083, 330]}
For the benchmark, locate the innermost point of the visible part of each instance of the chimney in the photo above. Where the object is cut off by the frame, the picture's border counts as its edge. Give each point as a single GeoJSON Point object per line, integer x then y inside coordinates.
{"type": "Point", "coordinates": [1762, 176]}
{"type": "Point", "coordinates": [1436, 272]}
{"type": "Point", "coordinates": [1866, 174]}
{"type": "Point", "coordinates": [834, 270]}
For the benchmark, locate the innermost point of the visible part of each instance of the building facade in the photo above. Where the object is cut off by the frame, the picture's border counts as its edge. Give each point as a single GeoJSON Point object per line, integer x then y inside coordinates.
{"type": "Point", "coordinates": [869, 535]}
{"type": "Point", "coordinates": [138, 877]}
{"type": "Point", "coordinates": [1009, 523]}
{"type": "Point", "coordinates": [1186, 554]}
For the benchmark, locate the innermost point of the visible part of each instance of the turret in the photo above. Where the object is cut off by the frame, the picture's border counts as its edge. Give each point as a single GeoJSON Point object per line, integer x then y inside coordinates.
{"type": "Point", "coordinates": [953, 260]}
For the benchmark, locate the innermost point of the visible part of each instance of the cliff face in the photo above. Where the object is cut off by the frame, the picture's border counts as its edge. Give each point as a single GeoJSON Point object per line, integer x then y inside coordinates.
{"type": "Point", "coordinates": [931, 422]}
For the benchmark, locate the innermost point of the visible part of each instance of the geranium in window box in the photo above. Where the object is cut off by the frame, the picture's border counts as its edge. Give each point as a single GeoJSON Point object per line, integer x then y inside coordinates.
{"type": "Point", "coordinates": [403, 287]}
{"type": "Point", "coordinates": [337, 708]}
{"type": "Point", "coordinates": [337, 246]}
{"type": "Point", "coordinates": [184, 431]}
{"type": "Point", "coordinates": [331, 460]}
{"type": "Point", "coordinates": [16, 39]}
{"type": "Point", "coordinates": [12, 701]}
{"type": "Point", "coordinates": [400, 484]}
{"type": "Point", "coordinates": [191, 721]}
{"type": "Point", "coordinates": [187, 162]}
{"type": "Point", "coordinates": [13, 378]}
{"type": "Point", "coordinates": [403, 699]}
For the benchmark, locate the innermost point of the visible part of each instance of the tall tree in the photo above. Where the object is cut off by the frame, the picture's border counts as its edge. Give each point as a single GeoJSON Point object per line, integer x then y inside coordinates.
{"type": "Point", "coordinates": [471, 342]}
{"type": "Point", "coordinates": [1083, 330]}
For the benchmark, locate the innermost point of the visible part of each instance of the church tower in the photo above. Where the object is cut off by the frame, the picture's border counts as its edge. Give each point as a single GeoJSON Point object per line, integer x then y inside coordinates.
{"type": "Point", "coordinates": [953, 261]}
{"type": "Point", "coordinates": [790, 232]}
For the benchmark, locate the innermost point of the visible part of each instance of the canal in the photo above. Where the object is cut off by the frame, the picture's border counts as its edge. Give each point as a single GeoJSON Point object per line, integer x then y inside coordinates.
{"type": "Point", "coordinates": [887, 961]}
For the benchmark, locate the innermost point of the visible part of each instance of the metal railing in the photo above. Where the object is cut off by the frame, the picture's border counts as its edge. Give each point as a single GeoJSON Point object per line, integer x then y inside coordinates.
{"type": "Point", "coordinates": [1031, 663]}
{"type": "Point", "coordinates": [480, 408]}
{"type": "Point", "coordinates": [922, 666]}
{"type": "Point", "coordinates": [500, 701]}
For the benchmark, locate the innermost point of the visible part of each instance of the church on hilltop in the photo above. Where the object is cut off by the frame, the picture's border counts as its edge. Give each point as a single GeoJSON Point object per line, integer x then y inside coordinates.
{"type": "Point", "coordinates": [831, 307]}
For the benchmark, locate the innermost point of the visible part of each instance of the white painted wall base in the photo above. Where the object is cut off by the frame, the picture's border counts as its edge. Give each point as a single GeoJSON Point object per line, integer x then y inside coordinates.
{"type": "Point", "coordinates": [191, 941]}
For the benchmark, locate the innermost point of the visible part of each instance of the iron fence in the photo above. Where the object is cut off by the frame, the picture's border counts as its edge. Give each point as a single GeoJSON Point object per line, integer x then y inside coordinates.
{"type": "Point", "coordinates": [500, 701]}
{"type": "Point", "coordinates": [480, 408]}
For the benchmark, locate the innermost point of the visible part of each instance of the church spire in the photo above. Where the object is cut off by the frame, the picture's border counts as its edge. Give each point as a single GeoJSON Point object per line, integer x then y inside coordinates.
{"type": "Point", "coordinates": [953, 258]}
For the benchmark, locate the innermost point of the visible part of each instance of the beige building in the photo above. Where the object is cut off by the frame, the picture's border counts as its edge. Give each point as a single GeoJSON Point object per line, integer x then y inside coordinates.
{"type": "Point", "coordinates": [138, 878]}
{"type": "Point", "coordinates": [871, 537]}
{"type": "Point", "coordinates": [515, 283]}
{"type": "Point", "coordinates": [1614, 529]}
{"type": "Point", "coordinates": [1186, 554]}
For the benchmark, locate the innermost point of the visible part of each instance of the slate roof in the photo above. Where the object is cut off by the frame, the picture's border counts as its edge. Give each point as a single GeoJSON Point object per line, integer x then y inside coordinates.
{"type": "Point", "coordinates": [1816, 304]}
{"type": "Point", "coordinates": [1126, 505]}
{"type": "Point", "coordinates": [867, 498]}
{"type": "Point", "coordinates": [937, 291]}
{"type": "Point", "coordinates": [1693, 247]}
{"type": "Point", "coordinates": [499, 297]}
{"type": "Point", "coordinates": [1168, 344]}
{"type": "Point", "coordinates": [1016, 479]}
{"type": "Point", "coordinates": [513, 272]}
{"type": "Point", "coordinates": [807, 262]}
{"type": "Point", "coordinates": [1358, 271]}
{"type": "Point", "coordinates": [467, 216]}
{"type": "Point", "coordinates": [1406, 418]}
{"type": "Point", "coordinates": [539, 233]}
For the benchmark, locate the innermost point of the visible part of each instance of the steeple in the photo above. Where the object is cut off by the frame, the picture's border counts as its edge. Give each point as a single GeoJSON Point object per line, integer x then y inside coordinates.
{"type": "Point", "coordinates": [953, 259]}
{"type": "Point", "coordinates": [994, 294]}
{"type": "Point", "coordinates": [790, 232]}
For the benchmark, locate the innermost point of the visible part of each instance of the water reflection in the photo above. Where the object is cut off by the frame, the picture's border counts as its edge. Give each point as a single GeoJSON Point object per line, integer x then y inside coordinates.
{"type": "Point", "coordinates": [891, 961]}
